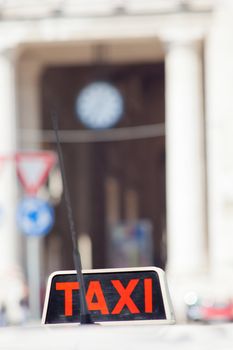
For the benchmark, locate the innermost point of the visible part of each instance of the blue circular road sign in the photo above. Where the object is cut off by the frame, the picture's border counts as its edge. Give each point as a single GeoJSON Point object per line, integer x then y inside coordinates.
{"type": "Point", "coordinates": [35, 217]}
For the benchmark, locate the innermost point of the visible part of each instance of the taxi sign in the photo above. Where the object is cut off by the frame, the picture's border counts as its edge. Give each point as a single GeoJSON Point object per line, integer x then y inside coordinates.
{"type": "Point", "coordinates": [113, 296]}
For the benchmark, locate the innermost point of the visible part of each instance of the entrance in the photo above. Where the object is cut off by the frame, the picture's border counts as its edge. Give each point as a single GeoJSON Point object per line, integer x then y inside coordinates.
{"type": "Point", "coordinates": [112, 181]}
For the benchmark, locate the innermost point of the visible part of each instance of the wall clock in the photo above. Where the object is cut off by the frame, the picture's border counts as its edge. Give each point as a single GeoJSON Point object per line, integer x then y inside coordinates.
{"type": "Point", "coordinates": [99, 105]}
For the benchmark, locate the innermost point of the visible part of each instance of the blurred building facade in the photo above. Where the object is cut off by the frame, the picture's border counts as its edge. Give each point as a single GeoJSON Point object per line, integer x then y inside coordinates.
{"type": "Point", "coordinates": [172, 61]}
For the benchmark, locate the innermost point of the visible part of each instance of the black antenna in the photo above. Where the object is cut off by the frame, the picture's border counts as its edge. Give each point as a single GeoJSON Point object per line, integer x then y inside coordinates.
{"type": "Point", "coordinates": [85, 317]}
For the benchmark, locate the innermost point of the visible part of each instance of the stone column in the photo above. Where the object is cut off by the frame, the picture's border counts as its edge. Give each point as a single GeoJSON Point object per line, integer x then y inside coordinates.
{"type": "Point", "coordinates": [8, 185]}
{"type": "Point", "coordinates": [219, 112]}
{"type": "Point", "coordinates": [185, 161]}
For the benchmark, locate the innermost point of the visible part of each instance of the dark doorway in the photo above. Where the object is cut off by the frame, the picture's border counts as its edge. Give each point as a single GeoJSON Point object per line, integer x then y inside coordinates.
{"type": "Point", "coordinates": [131, 170]}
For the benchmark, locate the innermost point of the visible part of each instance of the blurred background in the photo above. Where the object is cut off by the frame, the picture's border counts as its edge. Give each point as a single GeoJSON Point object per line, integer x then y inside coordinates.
{"type": "Point", "coordinates": [143, 92]}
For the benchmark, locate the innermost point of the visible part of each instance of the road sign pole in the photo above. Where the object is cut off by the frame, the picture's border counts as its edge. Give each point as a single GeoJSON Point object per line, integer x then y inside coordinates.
{"type": "Point", "coordinates": [35, 218]}
{"type": "Point", "coordinates": [33, 270]}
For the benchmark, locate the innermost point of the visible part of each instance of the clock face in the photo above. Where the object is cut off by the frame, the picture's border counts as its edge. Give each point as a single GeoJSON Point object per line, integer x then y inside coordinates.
{"type": "Point", "coordinates": [99, 105]}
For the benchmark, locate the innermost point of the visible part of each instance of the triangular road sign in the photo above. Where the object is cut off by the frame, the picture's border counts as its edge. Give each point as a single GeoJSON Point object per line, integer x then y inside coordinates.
{"type": "Point", "coordinates": [33, 169]}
